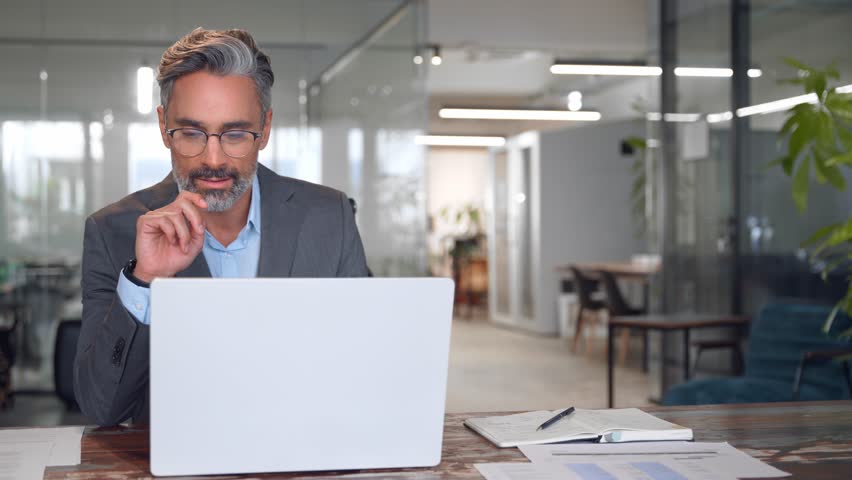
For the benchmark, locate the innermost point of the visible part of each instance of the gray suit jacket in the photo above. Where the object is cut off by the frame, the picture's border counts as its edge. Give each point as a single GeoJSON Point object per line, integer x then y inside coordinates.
{"type": "Point", "coordinates": [306, 231]}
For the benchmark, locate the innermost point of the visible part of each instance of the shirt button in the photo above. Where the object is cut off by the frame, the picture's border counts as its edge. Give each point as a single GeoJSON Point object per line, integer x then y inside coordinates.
{"type": "Point", "coordinates": [138, 306]}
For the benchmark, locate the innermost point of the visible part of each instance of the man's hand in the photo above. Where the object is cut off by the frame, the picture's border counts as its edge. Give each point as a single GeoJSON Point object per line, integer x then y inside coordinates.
{"type": "Point", "coordinates": [169, 239]}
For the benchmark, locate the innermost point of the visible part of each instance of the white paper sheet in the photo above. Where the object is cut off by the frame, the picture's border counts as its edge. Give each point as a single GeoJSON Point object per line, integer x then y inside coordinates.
{"type": "Point", "coordinates": [65, 442]}
{"type": "Point", "coordinates": [642, 469]}
{"type": "Point", "coordinates": [720, 457]}
{"type": "Point", "coordinates": [23, 460]}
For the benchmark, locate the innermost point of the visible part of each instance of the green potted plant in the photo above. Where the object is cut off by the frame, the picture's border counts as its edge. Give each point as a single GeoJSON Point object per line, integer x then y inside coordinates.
{"type": "Point", "coordinates": [819, 141]}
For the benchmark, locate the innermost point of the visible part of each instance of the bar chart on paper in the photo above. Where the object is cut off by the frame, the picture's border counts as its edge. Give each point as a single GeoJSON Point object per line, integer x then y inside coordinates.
{"type": "Point", "coordinates": [614, 470]}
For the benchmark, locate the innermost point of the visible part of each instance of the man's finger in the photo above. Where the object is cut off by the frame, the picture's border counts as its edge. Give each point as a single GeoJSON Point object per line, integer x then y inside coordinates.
{"type": "Point", "coordinates": [195, 198]}
{"type": "Point", "coordinates": [159, 222]}
{"type": "Point", "coordinates": [191, 212]}
{"type": "Point", "coordinates": [178, 220]}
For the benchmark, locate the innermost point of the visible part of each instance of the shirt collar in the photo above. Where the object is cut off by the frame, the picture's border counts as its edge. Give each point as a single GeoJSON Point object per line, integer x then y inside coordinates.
{"type": "Point", "coordinates": [254, 209]}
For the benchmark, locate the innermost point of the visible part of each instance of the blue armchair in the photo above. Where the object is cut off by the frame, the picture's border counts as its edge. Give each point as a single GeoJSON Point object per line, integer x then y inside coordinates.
{"type": "Point", "coordinates": [788, 358]}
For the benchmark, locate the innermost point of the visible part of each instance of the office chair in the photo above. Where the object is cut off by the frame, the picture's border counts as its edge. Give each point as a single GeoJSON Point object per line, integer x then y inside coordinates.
{"type": "Point", "coordinates": [585, 287]}
{"type": "Point", "coordinates": [617, 306]}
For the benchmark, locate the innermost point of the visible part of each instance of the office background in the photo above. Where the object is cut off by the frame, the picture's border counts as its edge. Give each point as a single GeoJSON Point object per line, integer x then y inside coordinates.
{"type": "Point", "coordinates": [357, 85]}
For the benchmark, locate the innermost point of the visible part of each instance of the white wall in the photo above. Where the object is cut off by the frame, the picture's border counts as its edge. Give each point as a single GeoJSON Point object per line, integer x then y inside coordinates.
{"type": "Point", "coordinates": [585, 203]}
{"type": "Point", "coordinates": [456, 177]}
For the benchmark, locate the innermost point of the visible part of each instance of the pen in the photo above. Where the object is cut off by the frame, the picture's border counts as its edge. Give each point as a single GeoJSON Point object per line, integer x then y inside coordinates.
{"type": "Point", "coordinates": [559, 416]}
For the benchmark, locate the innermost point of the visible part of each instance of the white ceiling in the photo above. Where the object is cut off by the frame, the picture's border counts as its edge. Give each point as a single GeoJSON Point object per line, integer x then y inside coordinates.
{"type": "Point", "coordinates": [496, 52]}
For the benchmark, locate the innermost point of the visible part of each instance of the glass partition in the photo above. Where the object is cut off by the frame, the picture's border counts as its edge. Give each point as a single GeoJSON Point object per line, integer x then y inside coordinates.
{"type": "Point", "coordinates": [78, 130]}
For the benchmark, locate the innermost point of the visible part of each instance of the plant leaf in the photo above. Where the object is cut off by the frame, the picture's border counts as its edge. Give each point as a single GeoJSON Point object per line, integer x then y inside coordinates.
{"type": "Point", "coordinates": [825, 172]}
{"type": "Point", "coordinates": [845, 136]}
{"type": "Point", "coordinates": [778, 161]}
{"type": "Point", "coordinates": [788, 125]}
{"type": "Point", "coordinates": [816, 82]}
{"type": "Point", "coordinates": [821, 233]}
{"type": "Point", "coordinates": [797, 64]}
{"type": "Point", "coordinates": [803, 134]}
{"type": "Point", "coordinates": [835, 177]}
{"type": "Point", "coordinates": [801, 183]}
{"type": "Point", "coordinates": [825, 131]}
{"type": "Point", "coordinates": [842, 159]}
{"type": "Point", "coordinates": [829, 322]}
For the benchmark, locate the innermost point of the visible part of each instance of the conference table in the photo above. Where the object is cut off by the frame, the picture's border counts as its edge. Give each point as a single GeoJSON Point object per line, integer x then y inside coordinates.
{"type": "Point", "coordinates": [811, 440]}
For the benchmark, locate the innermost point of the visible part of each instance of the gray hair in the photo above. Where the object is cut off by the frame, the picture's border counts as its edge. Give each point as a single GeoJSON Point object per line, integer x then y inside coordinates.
{"type": "Point", "coordinates": [221, 52]}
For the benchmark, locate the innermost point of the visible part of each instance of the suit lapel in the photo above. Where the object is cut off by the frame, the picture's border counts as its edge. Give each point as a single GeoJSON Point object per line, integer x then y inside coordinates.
{"type": "Point", "coordinates": [281, 218]}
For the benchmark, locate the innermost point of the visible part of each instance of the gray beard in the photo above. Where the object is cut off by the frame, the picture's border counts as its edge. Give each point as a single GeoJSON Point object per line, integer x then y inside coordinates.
{"type": "Point", "coordinates": [218, 200]}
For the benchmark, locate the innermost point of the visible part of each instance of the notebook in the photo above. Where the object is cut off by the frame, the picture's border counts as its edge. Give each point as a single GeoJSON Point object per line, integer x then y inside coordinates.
{"type": "Point", "coordinates": [605, 426]}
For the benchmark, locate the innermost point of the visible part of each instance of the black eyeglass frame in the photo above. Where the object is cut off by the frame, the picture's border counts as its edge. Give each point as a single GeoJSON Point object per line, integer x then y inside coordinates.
{"type": "Point", "coordinates": [171, 133]}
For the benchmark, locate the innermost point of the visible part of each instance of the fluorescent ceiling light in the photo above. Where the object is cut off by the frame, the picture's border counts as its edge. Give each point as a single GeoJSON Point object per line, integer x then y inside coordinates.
{"type": "Point", "coordinates": [641, 70]}
{"type": "Point", "coordinates": [502, 114]}
{"type": "Point", "coordinates": [703, 72]}
{"type": "Point", "coordinates": [459, 141]}
{"type": "Point", "coordinates": [719, 117]}
{"type": "Point", "coordinates": [844, 89]}
{"type": "Point", "coordinates": [769, 107]}
{"type": "Point", "coordinates": [777, 105]}
{"type": "Point", "coordinates": [580, 69]}
{"type": "Point", "coordinates": [144, 89]}
{"type": "Point", "coordinates": [673, 117]}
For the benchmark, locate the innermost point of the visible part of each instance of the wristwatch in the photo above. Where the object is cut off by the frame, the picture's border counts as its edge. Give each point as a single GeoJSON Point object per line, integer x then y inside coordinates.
{"type": "Point", "coordinates": [128, 272]}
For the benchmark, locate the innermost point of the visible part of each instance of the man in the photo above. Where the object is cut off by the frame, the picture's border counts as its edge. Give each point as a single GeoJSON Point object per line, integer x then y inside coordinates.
{"type": "Point", "coordinates": [218, 214]}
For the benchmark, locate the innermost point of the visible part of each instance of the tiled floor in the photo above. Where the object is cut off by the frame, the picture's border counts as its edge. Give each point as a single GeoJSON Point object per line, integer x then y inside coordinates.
{"type": "Point", "coordinates": [497, 369]}
{"type": "Point", "coordinates": [491, 369]}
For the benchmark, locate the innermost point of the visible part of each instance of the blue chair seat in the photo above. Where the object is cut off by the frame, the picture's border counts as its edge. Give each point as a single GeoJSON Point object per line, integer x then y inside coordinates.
{"type": "Point", "coordinates": [711, 391]}
{"type": "Point", "coordinates": [780, 335]}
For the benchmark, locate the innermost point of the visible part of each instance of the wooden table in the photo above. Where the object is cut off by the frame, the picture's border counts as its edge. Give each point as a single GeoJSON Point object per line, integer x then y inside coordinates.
{"type": "Point", "coordinates": [665, 323]}
{"type": "Point", "coordinates": [626, 270]}
{"type": "Point", "coordinates": [810, 440]}
{"type": "Point", "coordinates": [637, 272]}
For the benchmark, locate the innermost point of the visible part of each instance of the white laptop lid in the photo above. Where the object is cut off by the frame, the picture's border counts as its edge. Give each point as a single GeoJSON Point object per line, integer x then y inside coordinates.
{"type": "Point", "coordinates": [273, 375]}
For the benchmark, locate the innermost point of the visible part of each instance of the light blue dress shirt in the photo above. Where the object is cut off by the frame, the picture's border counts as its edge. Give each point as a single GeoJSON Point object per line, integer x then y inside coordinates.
{"type": "Point", "coordinates": [239, 259]}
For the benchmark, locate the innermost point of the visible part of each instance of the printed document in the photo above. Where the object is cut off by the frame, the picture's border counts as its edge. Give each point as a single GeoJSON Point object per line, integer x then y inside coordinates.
{"type": "Point", "coordinates": [65, 442]}
{"type": "Point", "coordinates": [641, 469]}
{"type": "Point", "coordinates": [717, 457]}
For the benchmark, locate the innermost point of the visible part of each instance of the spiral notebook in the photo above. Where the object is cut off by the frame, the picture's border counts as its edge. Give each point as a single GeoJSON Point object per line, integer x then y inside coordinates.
{"type": "Point", "coordinates": [605, 426]}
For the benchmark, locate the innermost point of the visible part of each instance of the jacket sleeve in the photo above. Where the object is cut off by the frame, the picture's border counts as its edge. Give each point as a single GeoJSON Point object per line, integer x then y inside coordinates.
{"type": "Point", "coordinates": [111, 367]}
{"type": "Point", "coordinates": [353, 262]}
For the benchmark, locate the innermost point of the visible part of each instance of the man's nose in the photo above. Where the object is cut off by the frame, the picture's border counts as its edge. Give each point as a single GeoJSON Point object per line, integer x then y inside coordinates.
{"type": "Point", "coordinates": [214, 155]}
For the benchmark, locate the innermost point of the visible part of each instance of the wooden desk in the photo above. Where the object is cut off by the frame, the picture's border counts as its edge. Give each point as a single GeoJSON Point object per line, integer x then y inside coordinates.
{"type": "Point", "coordinates": [810, 440]}
{"type": "Point", "coordinates": [626, 270]}
{"type": "Point", "coordinates": [665, 323]}
{"type": "Point", "coordinates": [637, 272]}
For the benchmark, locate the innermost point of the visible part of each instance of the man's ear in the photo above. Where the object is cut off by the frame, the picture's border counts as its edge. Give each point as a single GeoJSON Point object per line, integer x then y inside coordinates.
{"type": "Point", "coordinates": [267, 127]}
{"type": "Point", "coordinates": [161, 117]}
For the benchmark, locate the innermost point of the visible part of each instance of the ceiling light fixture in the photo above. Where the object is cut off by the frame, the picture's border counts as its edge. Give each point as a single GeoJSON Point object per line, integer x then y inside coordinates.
{"type": "Point", "coordinates": [436, 56]}
{"type": "Point", "coordinates": [459, 141]}
{"type": "Point", "coordinates": [703, 72]}
{"type": "Point", "coordinates": [626, 69]}
{"type": "Point", "coordinates": [575, 100]}
{"type": "Point", "coordinates": [144, 90]}
{"type": "Point", "coordinates": [418, 59]}
{"type": "Point", "coordinates": [623, 70]}
{"type": "Point", "coordinates": [673, 117]}
{"type": "Point", "coordinates": [719, 117]}
{"type": "Point", "coordinates": [777, 105]}
{"type": "Point", "coordinates": [509, 114]}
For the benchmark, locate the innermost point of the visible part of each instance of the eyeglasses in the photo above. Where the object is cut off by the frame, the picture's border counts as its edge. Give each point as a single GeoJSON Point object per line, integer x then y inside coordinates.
{"type": "Point", "coordinates": [191, 142]}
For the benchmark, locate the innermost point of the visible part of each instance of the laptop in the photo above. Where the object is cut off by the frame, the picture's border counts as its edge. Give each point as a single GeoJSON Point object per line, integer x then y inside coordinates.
{"type": "Point", "coordinates": [286, 375]}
